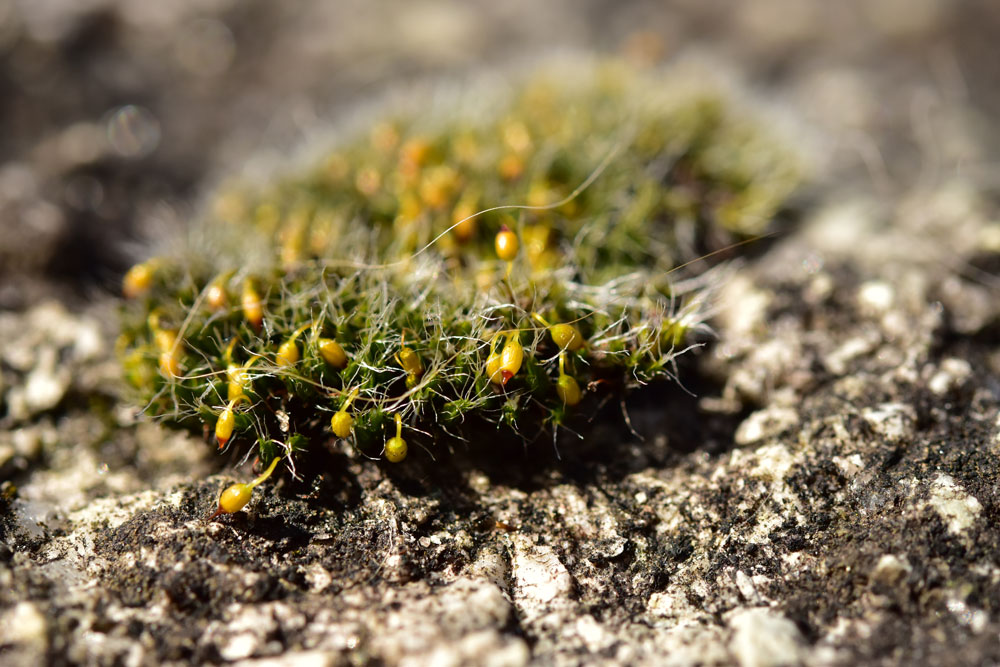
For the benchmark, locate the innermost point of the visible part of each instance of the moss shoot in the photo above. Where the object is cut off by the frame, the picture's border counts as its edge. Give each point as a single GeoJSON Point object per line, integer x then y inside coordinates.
{"type": "Point", "coordinates": [507, 266]}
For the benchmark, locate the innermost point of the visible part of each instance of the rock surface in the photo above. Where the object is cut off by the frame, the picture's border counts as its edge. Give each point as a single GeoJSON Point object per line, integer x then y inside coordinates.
{"type": "Point", "coordinates": [828, 495]}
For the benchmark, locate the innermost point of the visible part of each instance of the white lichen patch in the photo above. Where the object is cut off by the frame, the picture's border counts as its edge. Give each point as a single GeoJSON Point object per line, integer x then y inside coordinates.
{"type": "Point", "coordinates": [849, 465]}
{"type": "Point", "coordinates": [593, 634]}
{"type": "Point", "coordinates": [956, 508]}
{"type": "Point", "coordinates": [743, 307]}
{"type": "Point", "coordinates": [587, 516]}
{"type": "Point", "coordinates": [853, 348]}
{"type": "Point", "coordinates": [950, 375]}
{"type": "Point", "coordinates": [747, 587]}
{"type": "Point", "coordinates": [76, 546]}
{"type": "Point", "coordinates": [46, 348]}
{"type": "Point", "coordinates": [245, 630]}
{"type": "Point", "coordinates": [773, 462]}
{"type": "Point", "coordinates": [975, 619]}
{"type": "Point", "coordinates": [318, 578]}
{"type": "Point", "coordinates": [838, 229]}
{"type": "Point", "coordinates": [769, 362]}
{"type": "Point", "coordinates": [773, 502]}
{"type": "Point", "coordinates": [491, 566]}
{"type": "Point", "coordinates": [893, 421]}
{"type": "Point", "coordinates": [23, 624]}
{"type": "Point", "coordinates": [674, 604]}
{"type": "Point", "coordinates": [687, 644]}
{"type": "Point", "coordinates": [875, 297]}
{"type": "Point", "coordinates": [540, 578]}
{"type": "Point", "coordinates": [763, 638]}
{"type": "Point", "coordinates": [454, 625]}
{"type": "Point", "coordinates": [765, 423]}
{"type": "Point", "coordinates": [890, 570]}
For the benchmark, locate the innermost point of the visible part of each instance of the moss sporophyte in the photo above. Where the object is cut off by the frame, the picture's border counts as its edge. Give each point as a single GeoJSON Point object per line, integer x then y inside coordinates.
{"type": "Point", "coordinates": [503, 267]}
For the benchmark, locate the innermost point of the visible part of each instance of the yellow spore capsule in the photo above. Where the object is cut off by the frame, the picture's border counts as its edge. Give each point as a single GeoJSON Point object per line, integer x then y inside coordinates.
{"type": "Point", "coordinates": [237, 377]}
{"type": "Point", "coordinates": [566, 336]}
{"type": "Point", "coordinates": [414, 154]}
{"type": "Point", "coordinates": [567, 388]}
{"type": "Point", "coordinates": [215, 294]}
{"type": "Point", "coordinates": [253, 307]}
{"type": "Point", "coordinates": [169, 365]}
{"type": "Point", "coordinates": [411, 363]}
{"type": "Point", "coordinates": [368, 181]}
{"type": "Point", "coordinates": [332, 352]}
{"type": "Point", "coordinates": [166, 342]}
{"type": "Point", "coordinates": [138, 280]}
{"type": "Point", "coordinates": [510, 167]}
{"type": "Point", "coordinates": [493, 368]}
{"type": "Point", "coordinates": [342, 421]}
{"type": "Point", "coordinates": [238, 380]}
{"type": "Point", "coordinates": [511, 357]}
{"type": "Point", "coordinates": [236, 497]}
{"type": "Point", "coordinates": [165, 339]}
{"type": "Point", "coordinates": [502, 366]}
{"type": "Point", "coordinates": [538, 244]}
{"type": "Point", "coordinates": [226, 423]}
{"type": "Point", "coordinates": [395, 448]}
{"type": "Point", "coordinates": [464, 225]}
{"type": "Point", "coordinates": [438, 186]}
{"type": "Point", "coordinates": [288, 353]}
{"type": "Point", "coordinates": [506, 244]}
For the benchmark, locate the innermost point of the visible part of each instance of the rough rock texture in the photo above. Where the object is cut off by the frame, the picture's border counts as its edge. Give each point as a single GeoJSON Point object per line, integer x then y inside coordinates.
{"type": "Point", "coordinates": [825, 492]}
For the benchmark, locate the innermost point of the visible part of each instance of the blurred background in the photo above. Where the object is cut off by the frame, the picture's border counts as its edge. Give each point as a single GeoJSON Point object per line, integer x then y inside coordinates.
{"type": "Point", "coordinates": [118, 115]}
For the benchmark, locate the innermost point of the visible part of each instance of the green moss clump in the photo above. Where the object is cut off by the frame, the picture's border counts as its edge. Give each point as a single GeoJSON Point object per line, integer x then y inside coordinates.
{"type": "Point", "coordinates": [376, 273]}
